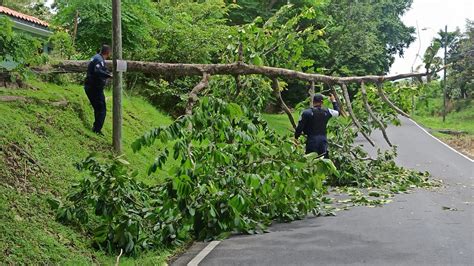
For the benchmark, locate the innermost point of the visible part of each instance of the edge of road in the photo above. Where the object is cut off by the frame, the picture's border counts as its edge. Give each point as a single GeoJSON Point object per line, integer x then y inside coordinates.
{"type": "Point", "coordinates": [440, 141]}
{"type": "Point", "coordinates": [203, 253]}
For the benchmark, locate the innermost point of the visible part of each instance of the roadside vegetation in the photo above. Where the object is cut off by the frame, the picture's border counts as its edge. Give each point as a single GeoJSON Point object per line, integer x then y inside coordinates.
{"type": "Point", "coordinates": [458, 128]}
{"type": "Point", "coordinates": [45, 131]}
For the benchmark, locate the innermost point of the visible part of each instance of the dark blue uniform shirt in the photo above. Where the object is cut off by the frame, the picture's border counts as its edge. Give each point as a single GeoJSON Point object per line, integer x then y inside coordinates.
{"type": "Point", "coordinates": [313, 124]}
{"type": "Point", "coordinates": [97, 72]}
{"type": "Point", "coordinates": [313, 121]}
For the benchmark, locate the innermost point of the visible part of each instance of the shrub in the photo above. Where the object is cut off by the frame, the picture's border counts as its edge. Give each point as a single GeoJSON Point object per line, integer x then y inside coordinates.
{"type": "Point", "coordinates": [18, 50]}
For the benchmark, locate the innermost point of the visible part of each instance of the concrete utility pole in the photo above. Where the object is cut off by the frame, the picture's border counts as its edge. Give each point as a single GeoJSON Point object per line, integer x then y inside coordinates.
{"type": "Point", "coordinates": [117, 82]}
{"type": "Point", "coordinates": [445, 91]}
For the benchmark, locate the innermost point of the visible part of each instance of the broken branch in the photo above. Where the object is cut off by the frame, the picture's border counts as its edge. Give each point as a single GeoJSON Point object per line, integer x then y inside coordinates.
{"type": "Point", "coordinates": [277, 93]}
{"type": "Point", "coordinates": [387, 101]}
{"type": "Point", "coordinates": [371, 113]}
{"type": "Point", "coordinates": [352, 115]}
{"type": "Point", "coordinates": [193, 95]}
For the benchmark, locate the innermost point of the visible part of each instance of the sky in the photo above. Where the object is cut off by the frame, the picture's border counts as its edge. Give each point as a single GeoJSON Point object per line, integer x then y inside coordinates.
{"type": "Point", "coordinates": [431, 16]}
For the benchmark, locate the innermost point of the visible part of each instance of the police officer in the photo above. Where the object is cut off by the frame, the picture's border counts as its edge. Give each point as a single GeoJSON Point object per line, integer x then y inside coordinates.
{"type": "Point", "coordinates": [97, 75]}
{"type": "Point", "coordinates": [313, 124]}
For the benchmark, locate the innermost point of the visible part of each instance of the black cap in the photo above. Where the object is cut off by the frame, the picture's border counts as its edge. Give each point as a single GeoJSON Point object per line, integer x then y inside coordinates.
{"type": "Point", "coordinates": [105, 49]}
{"type": "Point", "coordinates": [318, 97]}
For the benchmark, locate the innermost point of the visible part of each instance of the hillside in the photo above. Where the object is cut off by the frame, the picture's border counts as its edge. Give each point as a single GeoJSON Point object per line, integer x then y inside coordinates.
{"type": "Point", "coordinates": [44, 131]}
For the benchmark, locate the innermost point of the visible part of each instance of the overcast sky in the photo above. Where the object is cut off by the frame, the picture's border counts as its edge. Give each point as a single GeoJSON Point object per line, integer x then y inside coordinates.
{"type": "Point", "coordinates": [431, 16]}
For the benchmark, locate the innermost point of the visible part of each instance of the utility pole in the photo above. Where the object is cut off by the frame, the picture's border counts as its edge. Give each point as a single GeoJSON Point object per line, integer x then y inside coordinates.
{"type": "Point", "coordinates": [445, 83]}
{"type": "Point", "coordinates": [117, 80]}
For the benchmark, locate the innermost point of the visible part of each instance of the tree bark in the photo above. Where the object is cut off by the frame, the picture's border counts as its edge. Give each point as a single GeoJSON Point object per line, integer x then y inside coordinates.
{"type": "Point", "coordinates": [239, 68]}
{"type": "Point", "coordinates": [352, 115]}
{"type": "Point", "coordinates": [372, 115]}
{"type": "Point", "coordinates": [193, 95]}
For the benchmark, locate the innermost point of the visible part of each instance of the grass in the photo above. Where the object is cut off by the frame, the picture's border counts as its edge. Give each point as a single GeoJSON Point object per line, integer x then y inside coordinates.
{"type": "Point", "coordinates": [461, 118]}
{"type": "Point", "coordinates": [40, 141]}
{"type": "Point", "coordinates": [280, 123]}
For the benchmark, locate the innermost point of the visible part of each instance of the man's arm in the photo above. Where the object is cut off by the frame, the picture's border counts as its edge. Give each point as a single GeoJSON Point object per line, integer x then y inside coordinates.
{"type": "Point", "coordinates": [335, 111]}
{"type": "Point", "coordinates": [301, 125]}
{"type": "Point", "coordinates": [100, 69]}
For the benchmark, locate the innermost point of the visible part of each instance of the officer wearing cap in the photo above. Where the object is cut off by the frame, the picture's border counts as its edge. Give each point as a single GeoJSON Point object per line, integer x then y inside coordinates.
{"type": "Point", "coordinates": [313, 123]}
{"type": "Point", "coordinates": [97, 75]}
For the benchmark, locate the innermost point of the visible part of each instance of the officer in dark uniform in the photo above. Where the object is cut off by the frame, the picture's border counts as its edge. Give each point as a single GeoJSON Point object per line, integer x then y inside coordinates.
{"type": "Point", "coordinates": [97, 75]}
{"type": "Point", "coordinates": [313, 124]}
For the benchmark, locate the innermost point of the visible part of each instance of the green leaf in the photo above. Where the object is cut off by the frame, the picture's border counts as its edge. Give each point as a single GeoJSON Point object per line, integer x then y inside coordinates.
{"type": "Point", "coordinates": [257, 60]}
{"type": "Point", "coordinates": [235, 111]}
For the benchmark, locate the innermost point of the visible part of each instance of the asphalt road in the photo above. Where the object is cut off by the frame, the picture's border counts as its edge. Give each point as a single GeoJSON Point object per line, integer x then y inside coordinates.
{"type": "Point", "coordinates": [412, 230]}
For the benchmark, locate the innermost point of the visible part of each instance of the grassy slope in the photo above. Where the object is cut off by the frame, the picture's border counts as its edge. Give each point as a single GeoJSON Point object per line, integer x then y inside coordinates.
{"type": "Point", "coordinates": [56, 137]}
{"type": "Point", "coordinates": [462, 120]}
{"type": "Point", "coordinates": [459, 121]}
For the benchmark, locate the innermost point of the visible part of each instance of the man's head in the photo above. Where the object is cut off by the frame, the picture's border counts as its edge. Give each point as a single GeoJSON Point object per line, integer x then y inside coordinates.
{"type": "Point", "coordinates": [105, 51]}
{"type": "Point", "coordinates": [318, 99]}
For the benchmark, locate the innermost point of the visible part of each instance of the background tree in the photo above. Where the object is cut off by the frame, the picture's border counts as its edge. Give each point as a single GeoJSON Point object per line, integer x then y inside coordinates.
{"type": "Point", "coordinates": [365, 36]}
{"type": "Point", "coordinates": [94, 26]}
{"type": "Point", "coordinates": [461, 74]}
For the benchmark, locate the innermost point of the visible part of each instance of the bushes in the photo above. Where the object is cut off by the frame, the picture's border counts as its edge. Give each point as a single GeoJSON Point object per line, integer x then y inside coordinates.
{"type": "Point", "coordinates": [18, 50]}
{"type": "Point", "coordinates": [228, 172]}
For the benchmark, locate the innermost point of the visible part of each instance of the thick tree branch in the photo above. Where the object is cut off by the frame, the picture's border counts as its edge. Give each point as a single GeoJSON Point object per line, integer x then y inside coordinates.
{"type": "Point", "coordinates": [371, 113]}
{"type": "Point", "coordinates": [387, 100]}
{"type": "Point", "coordinates": [234, 69]}
{"type": "Point", "coordinates": [193, 95]}
{"type": "Point", "coordinates": [352, 115]}
{"type": "Point", "coordinates": [277, 93]}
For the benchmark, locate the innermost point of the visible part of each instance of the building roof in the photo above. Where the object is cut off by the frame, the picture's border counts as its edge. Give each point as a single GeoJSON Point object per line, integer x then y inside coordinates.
{"type": "Point", "coordinates": [18, 15]}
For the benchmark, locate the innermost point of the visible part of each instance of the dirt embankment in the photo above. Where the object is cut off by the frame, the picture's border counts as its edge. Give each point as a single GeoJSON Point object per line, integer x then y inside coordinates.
{"type": "Point", "coordinates": [464, 144]}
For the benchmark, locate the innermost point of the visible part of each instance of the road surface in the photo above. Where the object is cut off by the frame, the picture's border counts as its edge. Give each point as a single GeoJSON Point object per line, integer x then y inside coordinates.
{"type": "Point", "coordinates": [414, 229]}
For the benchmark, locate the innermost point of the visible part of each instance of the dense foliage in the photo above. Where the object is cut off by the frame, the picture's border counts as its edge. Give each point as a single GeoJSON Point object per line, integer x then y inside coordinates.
{"type": "Point", "coordinates": [228, 172]}
{"type": "Point", "coordinates": [95, 25]}
{"type": "Point", "coordinates": [18, 50]}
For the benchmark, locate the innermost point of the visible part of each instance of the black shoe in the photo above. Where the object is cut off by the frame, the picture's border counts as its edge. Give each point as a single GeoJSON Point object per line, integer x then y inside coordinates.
{"type": "Point", "coordinates": [97, 132]}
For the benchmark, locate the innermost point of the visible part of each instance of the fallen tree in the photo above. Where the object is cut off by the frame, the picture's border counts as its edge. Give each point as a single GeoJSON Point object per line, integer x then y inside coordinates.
{"type": "Point", "coordinates": [239, 68]}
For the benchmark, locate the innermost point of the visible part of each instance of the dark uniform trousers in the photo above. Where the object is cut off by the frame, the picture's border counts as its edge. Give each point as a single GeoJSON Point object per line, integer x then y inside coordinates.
{"type": "Point", "coordinates": [97, 99]}
{"type": "Point", "coordinates": [318, 144]}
